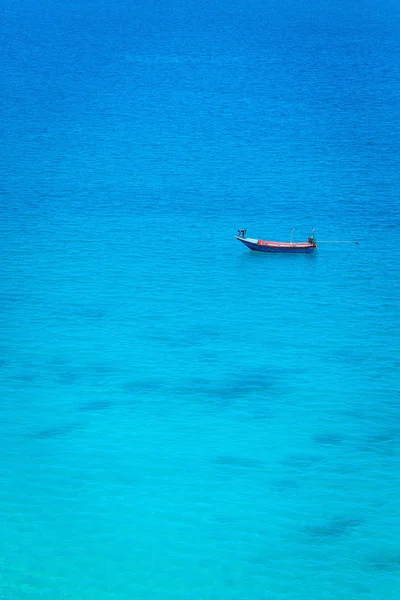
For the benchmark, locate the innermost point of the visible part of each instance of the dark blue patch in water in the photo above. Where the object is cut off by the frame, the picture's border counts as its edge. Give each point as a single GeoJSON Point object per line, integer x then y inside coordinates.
{"type": "Point", "coordinates": [388, 563]}
{"type": "Point", "coordinates": [257, 384]}
{"type": "Point", "coordinates": [88, 313]}
{"type": "Point", "coordinates": [27, 377]}
{"type": "Point", "coordinates": [58, 431]}
{"type": "Point", "coordinates": [67, 378]}
{"type": "Point", "coordinates": [385, 442]}
{"type": "Point", "coordinates": [333, 528]}
{"type": "Point", "coordinates": [11, 298]}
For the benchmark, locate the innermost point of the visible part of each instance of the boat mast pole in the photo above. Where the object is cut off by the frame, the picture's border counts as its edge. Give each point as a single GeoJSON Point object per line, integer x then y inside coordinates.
{"type": "Point", "coordinates": [291, 236]}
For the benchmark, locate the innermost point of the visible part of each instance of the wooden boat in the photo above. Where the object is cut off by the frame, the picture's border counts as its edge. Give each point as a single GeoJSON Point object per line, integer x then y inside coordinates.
{"type": "Point", "coordinates": [284, 247]}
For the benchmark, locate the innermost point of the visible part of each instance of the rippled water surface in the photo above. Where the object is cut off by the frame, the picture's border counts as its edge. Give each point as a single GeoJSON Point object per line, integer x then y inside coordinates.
{"type": "Point", "coordinates": [183, 419]}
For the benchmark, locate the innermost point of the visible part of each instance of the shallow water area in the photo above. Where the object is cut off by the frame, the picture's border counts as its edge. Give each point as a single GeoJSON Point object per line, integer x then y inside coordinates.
{"type": "Point", "coordinates": [183, 419]}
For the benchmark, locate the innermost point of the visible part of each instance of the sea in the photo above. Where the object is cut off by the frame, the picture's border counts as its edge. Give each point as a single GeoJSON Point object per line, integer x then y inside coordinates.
{"type": "Point", "coordinates": [181, 418]}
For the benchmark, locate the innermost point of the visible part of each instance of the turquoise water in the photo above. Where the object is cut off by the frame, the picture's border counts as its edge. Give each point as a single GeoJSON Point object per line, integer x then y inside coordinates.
{"type": "Point", "coordinates": [183, 419]}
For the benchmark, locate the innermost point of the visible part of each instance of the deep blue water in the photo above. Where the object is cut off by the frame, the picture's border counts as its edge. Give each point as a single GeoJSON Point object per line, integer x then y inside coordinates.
{"type": "Point", "coordinates": [183, 419]}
